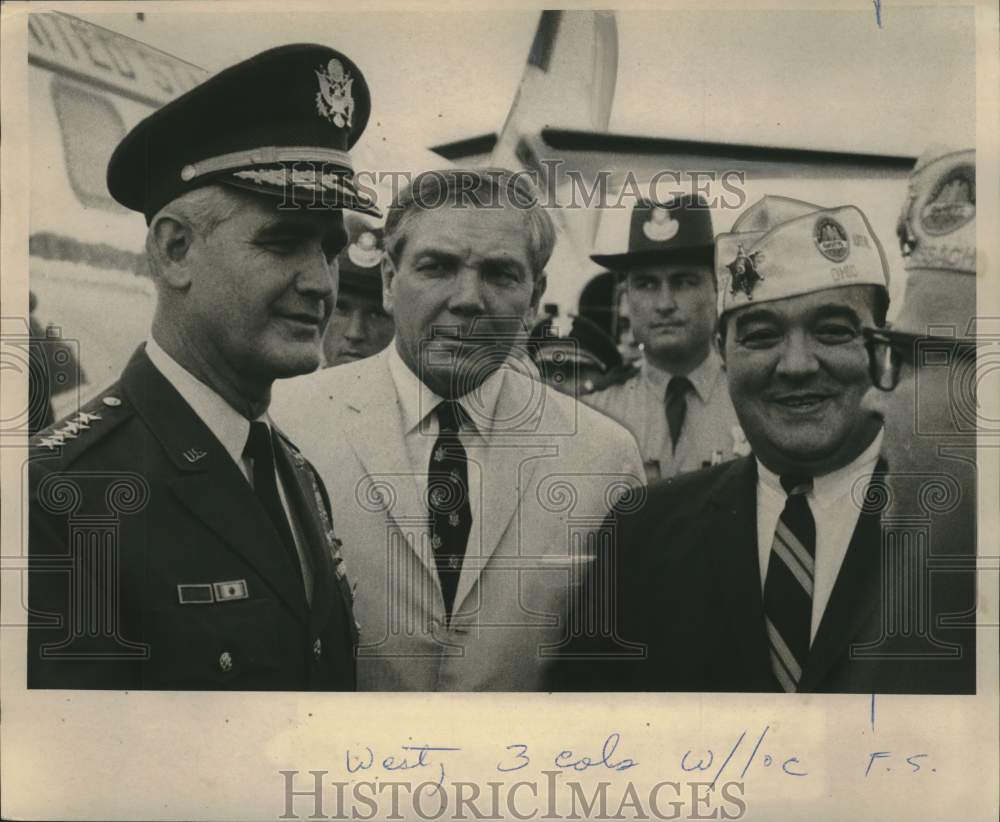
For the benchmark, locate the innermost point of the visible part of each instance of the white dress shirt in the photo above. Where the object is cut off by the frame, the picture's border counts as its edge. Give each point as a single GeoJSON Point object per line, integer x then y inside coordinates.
{"type": "Point", "coordinates": [231, 429]}
{"type": "Point", "coordinates": [834, 511]}
{"type": "Point", "coordinates": [420, 430]}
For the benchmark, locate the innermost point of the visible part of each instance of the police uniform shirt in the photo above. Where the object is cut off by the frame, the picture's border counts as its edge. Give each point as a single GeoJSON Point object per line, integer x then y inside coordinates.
{"type": "Point", "coordinates": [232, 430]}
{"type": "Point", "coordinates": [710, 433]}
{"type": "Point", "coordinates": [417, 403]}
{"type": "Point", "coordinates": [835, 510]}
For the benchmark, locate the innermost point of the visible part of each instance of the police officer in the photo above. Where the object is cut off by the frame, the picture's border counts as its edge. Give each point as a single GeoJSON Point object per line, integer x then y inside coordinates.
{"type": "Point", "coordinates": [359, 327]}
{"type": "Point", "coordinates": [177, 538]}
{"type": "Point", "coordinates": [575, 362]}
{"type": "Point", "coordinates": [675, 401]}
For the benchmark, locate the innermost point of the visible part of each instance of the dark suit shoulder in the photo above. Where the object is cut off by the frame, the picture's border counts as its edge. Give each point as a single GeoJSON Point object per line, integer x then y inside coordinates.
{"type": "Point", "coordinates": [81, 434]}
{"type": "Point", "coordinates": [686, 495]}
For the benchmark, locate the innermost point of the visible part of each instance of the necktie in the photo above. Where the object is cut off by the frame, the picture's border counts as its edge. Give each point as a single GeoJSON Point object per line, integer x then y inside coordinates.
{"type": "Point", "coordinates": [788, 588]}
{"type": "Point", "coordinates": [448, 500]}
{"type": "Point", "coordinates": [260, 449]}
{"type": "Point", "coordinates": [676, 401]}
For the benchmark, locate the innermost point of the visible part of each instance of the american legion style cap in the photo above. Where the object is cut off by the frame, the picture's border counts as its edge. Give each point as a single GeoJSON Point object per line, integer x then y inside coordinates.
{"type": "Point", "coordinates": [937, 236]}
{"type": "Point", "coordinates": [680, 230]}
{"type": "Point", "coordinates": [361, 260]}
{"type": "Point", "coordinates": [280, 122]}
{"type": "Point", "coordinates": [781, 247]}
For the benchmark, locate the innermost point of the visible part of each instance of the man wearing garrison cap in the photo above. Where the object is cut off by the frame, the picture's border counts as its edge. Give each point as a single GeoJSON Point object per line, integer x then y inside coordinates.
{"type": "Point", "coordinates": [177, 539]}
{"type": "Point", "coordinates": [924, 375]}
{"type": "Point", "coordinates": [763, 574]}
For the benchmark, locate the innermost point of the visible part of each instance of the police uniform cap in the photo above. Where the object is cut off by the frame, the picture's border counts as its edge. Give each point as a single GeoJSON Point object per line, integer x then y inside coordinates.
{"type": "Point", "coordinates": [586, 343]}
{"type": "Point", "coordinates": [279, 123]}
{"type": "Point", "coordinates": [675, 231]}
{"type": "Point", "coordinates": [361, 260]}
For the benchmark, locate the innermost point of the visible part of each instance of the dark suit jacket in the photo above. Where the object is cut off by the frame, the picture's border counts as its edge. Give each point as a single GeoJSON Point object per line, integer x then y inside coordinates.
{"type": "Point", "coordinates": [688, 589]}
{"type": "Point", "coordinates": [143, 508]}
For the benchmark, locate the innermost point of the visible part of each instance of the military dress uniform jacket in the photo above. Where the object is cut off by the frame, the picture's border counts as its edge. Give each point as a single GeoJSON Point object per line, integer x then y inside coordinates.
{"type": "Point", "coordinates": [153, 565]}
{"type": "Point", "coordinates": [689, 591]}
{"type": "Point", "coordinates": [550, 472]}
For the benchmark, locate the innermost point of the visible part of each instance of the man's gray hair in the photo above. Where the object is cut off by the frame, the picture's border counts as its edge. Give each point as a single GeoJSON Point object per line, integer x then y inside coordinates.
{"type": "Point", "coordinates": [204, 209]}
{"type": "Point", "coordinates": [473, 188]}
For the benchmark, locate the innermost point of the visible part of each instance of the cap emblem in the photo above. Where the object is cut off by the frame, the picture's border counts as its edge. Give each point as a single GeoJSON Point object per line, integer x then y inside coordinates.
{"type": "Point", "coordinates": [334, 100]}
{"type": "Point", "coordinates": [831, 239]}
{"type": "Point", "coordinates": [660, 226]}
{"type": "Point", "coordinates": [744, 272]}
{"type": "Point", "coordinates": [364, 251]}
{"type": "Point", "coordinates": [952, 203]}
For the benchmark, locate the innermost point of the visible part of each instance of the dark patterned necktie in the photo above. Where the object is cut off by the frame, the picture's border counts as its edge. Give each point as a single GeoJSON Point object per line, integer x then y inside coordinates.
{"type": "Point", "coordinates": [676, 401]}
{"type": "Point", "coordinates": [448, 500]}
{"type": "Point", "coordinates": [260, 449]}
{"type": "Point", "coordinates": [788, 588]}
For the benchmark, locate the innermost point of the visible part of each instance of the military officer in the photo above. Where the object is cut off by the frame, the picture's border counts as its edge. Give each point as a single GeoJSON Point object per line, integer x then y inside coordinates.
{"type": "Point", "coordinates": [360, 326]}
{"type": "Point", "coordinates": [178, 539]}
{"type": "Point", "coordinates": [675, 401]}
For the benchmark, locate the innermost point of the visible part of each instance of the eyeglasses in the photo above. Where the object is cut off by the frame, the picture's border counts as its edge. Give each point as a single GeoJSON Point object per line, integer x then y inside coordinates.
{"type": "Point", "coordinates": [889, 351]}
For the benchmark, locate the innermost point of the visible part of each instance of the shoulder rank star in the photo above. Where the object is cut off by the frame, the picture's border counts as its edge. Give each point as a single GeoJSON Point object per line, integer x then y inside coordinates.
{"type": "Point", "coordinates": [744, 271]}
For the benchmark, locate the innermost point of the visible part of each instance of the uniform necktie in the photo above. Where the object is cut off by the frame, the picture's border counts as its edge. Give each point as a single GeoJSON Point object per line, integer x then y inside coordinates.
{"type": "Point", "coordinates": [260, 449]}
{"type": "Point", "coordinates": [448, 500]}
{"type": "Point", "coordinates": [788, 588]}
{"type": "Point", "coordinates": [677, 390]}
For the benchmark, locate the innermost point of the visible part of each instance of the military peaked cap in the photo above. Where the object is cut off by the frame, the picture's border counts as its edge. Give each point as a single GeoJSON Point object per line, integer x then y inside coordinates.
{"type": "Point", "coordinates": [280, 123]}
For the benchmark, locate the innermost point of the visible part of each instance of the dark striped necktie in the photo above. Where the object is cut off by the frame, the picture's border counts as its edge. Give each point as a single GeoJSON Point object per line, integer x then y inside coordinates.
{"type": "Point", "coordinates": [788, 588]}
{"type": "Point", "coordinates": [448, 500]}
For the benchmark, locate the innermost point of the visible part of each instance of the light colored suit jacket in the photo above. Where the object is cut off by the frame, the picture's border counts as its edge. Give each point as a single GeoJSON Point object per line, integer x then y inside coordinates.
{"type": "Point", "coordinates": [550, 470]}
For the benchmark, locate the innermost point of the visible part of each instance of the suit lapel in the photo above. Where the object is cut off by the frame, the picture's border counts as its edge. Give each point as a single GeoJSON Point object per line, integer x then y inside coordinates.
{"type": "Point", "coordinates": [732, 540]}
{"type": "Point", "coordinates": [507, 467]}
{"type": "Point", "coordinates": [208, 482]}
{"type": "Point", "coordinates": [374, 423]}
{"type": "Point", "coordinates": [854, 597]}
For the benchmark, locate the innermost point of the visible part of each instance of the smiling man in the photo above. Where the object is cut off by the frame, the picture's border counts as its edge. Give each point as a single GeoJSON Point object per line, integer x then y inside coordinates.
{"type": "Point", "coordinates": [464, 489]}
{"type": "Point", "coordinates": [760, 574]}
{"type": "Point", "coordinates": [177, 539]}
{"type": "Point", "coordinates": [675, 401]}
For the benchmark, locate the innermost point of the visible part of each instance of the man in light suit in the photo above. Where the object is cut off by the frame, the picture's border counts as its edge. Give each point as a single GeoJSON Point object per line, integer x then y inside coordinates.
{"type": "Point", "coordinates": [466, 493]}
{"type": "Point", "coordinates": [766, 573]}
{"type": "Point", "coordinates": [177, 539]}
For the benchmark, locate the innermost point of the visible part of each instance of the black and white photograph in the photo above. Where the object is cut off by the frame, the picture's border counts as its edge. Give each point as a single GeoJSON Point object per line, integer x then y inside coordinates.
{"type": "Point", "coordinates": [438, 412]}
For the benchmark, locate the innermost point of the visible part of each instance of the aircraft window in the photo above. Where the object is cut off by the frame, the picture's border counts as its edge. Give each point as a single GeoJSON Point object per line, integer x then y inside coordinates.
{"type": "Point", "coordinates": [91, 128]}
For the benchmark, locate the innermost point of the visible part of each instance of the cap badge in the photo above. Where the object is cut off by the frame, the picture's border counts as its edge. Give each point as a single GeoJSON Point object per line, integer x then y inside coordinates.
{"type": "Point", "coordinates": [660, 226]}
{"type": "Point", "coordinates": [334, 100]}
{"type": "Point", "coordinates": [952, 203]}
{"type": "Point", "coordinates": [364, 251]}
{"type": "Point", "coordinates": [744, 271]}
{"type": "Point", "coordinates": [831, 239]}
